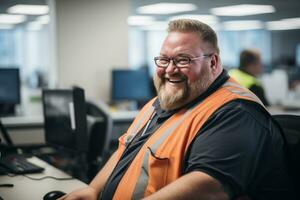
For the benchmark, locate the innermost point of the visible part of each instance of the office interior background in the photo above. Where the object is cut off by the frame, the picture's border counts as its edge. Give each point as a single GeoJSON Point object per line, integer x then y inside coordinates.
{"type": "Point", "coordinates": [79, 43]}
{"type": "Point", "coordinates": [69, 43]}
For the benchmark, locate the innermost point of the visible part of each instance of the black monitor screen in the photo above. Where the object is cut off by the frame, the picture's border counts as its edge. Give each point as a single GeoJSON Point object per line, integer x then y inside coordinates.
{"type": "Point", "coordinates": [131, 85]}
{"type": "Point", "coordinates": [9, 86]}
{"type": "Point", "coordinates": [65, 119]}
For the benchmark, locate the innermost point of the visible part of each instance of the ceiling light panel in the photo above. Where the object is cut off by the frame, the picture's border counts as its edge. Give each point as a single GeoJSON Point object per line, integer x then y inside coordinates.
{"type": "Point", "coordinates": [242, 10]}
{"type": "Point", "coordinates": [208, 19]}
{"type": "Point", "coordinates": [284, 24]}
{"type": "Point", "coordinates": [242, 25]}
{"type": "Point", "coordinates": [28, 9]}
{"type": "Point", "coordinates": [11, 19]}
{"type": "Point", "coordinates": [166, 8]}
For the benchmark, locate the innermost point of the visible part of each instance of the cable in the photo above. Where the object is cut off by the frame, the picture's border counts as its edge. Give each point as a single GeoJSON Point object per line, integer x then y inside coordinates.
{"type": "Point", "coordinates": [41, 178]}
{"type": "Point", "coordinates": [50, 177]}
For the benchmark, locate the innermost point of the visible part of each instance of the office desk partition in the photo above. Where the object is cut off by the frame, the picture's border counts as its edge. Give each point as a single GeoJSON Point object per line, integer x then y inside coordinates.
{"type": "Point", "coordinates": [25, 130]}
{"type": "Point", "coordinates": [27, 189]}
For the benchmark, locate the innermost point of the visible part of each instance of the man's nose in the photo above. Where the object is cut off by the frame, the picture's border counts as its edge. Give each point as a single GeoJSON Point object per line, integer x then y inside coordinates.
{"type": "Point", "coordinates": [171, 68]}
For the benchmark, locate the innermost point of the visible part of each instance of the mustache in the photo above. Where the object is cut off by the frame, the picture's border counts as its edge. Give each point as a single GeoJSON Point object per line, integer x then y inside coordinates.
{"type": "Point", "coordinates": [164, 77]}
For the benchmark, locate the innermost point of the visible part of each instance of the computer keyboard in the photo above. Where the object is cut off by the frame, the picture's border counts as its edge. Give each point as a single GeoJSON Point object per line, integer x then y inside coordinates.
{"type": "Point", "coordinates": [17, 164]}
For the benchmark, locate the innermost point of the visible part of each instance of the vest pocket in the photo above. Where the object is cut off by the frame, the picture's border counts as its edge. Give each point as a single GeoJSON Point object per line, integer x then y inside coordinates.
{"type": "Point", "coordinates": [158, 172]}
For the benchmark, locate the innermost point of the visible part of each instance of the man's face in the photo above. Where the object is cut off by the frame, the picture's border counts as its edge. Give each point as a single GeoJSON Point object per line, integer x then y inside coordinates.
{"type": "Point", "coordinates": [178, 86]}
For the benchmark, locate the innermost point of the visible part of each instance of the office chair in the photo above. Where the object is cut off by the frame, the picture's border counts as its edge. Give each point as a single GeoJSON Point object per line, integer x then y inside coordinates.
{"type": "Point", "coordinates": [99, 129]}
{"type": "Point", "coordinates": [290, 125]}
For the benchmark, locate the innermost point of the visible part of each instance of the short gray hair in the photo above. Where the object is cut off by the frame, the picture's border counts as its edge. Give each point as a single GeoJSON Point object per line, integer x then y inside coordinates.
{"type": "Point", "coordinates": [205, 32]}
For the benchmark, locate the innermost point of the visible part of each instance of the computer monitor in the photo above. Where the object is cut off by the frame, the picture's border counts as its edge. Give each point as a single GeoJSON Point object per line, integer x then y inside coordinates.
{"type": "Point", "coordinates": [65, 119]}
{"type": "Point", "coordinates": [9, 90]}
{"type": "Point", "coordinates": [131, 85]}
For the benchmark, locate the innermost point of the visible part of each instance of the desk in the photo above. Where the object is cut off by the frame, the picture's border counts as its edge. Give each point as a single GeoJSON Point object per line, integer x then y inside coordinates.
{"type": "Point", "coordinates": [27, 189]}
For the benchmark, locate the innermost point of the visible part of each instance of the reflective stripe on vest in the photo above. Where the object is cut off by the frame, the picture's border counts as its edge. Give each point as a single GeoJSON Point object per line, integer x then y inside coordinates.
{"type": "Point", "coordinates": [132, 132]}
{"type": "Point", "coordinates": [242, 91]}
{"type": "Point", "coordinates": [143, 179]}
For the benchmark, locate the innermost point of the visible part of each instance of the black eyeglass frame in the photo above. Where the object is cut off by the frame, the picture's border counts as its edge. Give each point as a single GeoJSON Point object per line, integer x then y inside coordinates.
{"type": "Point", "coordinates": [189, 60]}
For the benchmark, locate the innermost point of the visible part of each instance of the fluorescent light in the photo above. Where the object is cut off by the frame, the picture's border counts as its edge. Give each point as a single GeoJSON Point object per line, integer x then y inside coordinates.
{"type": "Point", "coordinates": [208, 19]}
{"type": "Point", "coordinates": [29, 9]}
{"type": "Point", "coordinates": [166, 8]}
{"type": "Point", "coordinates": [6, 26]}
{"type": "Point", "coordinates": [242, 25]}
{"type": "Point", "coordinates": [11, 19]}
{"type": "Point", "coordinates": [242, 10]}
{"type": "Point", "coordinates": [292, 20]}
{"type": "Point", "coordinates": [140, 20]}
{"type": "Point", "coordinates": [284, 24]}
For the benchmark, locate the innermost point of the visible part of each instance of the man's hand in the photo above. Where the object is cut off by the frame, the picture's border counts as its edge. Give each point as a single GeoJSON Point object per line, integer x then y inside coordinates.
{"type": "Point", "coordinates": [87, 193]}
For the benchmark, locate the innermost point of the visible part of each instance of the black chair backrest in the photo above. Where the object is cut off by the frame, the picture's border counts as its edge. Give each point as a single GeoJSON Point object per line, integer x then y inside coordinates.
{"type": "Point", "coordinates": [99, 128]}
{"type": "Point", "coordinates": [100, 131]}
{"type": "Point", "coordinates": [290, 125]}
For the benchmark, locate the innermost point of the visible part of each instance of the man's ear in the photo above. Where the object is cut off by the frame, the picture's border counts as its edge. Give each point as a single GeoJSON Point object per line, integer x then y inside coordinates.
{"type": "Point", "coordinates": [214, 62]}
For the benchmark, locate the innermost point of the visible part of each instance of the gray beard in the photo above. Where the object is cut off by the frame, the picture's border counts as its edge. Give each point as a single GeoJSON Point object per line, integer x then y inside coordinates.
{"type": "Point", "coordinates": [171, 101]}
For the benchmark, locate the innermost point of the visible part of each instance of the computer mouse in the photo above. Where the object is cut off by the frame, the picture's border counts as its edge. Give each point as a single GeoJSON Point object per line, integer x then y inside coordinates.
{"type": "Point", "coordinates": [52, 195]}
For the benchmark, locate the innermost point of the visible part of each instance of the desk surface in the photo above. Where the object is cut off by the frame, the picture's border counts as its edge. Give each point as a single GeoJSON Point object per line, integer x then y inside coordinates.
{"type": "Point", "coordinates": [27, 189]}
{"type": "Point", "coordinates": [21, 121]}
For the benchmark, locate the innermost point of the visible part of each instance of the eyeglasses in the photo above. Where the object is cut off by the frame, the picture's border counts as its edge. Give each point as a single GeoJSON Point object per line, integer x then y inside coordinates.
{"type": "Point", "coordinates": [179, 61]}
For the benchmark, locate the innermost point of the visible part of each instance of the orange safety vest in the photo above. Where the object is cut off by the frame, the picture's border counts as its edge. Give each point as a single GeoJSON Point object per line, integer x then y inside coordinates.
{"type": "Point", "coordinates": [159, 161]}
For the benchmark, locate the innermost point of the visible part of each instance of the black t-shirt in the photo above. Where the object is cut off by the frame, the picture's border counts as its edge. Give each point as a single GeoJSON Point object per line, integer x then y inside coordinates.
{"type": "Point", "coordinates": [239, 145]}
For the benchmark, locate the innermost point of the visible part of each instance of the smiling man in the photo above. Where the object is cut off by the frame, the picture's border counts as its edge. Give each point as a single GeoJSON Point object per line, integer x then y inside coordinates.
{"type": "Point", "coordinates": [178, 83]}
{"type": "Point", "coordinates": [203, 137]}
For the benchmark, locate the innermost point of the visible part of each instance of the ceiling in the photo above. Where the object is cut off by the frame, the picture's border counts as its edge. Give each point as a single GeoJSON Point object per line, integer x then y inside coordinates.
{"type": "Point", "coordinates": [5, 4]}
{"type": "Point", "coordinates": [284, 8]}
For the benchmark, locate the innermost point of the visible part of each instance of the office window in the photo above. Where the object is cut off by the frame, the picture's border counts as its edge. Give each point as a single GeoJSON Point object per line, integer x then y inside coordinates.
{"type": "Point", "coordinates": [7, 50]}
{"type": "Point", "coordinates": [231, 43]}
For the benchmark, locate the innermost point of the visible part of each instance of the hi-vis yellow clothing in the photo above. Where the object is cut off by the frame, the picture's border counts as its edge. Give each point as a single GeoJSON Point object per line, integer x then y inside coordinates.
{"type": "Point", "coordinates": [243, 78]}
{"type": "Point", "coordinates": [159, 161]}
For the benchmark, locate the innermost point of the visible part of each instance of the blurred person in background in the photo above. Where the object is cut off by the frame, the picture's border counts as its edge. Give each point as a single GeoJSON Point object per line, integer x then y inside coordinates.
{"type": "Point", "coordinates": [249, 69]}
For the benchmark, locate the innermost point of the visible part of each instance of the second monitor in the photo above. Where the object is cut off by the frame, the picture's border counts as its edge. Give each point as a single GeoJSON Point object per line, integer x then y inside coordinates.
{"type": "Point", "coordinates": [131, 85]}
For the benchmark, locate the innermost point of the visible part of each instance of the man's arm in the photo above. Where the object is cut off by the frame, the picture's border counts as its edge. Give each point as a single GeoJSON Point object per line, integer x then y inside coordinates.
{"type": "Point", "coordinates": [96, 186]}
{"type": "Point", "coordinates": [194, 185]}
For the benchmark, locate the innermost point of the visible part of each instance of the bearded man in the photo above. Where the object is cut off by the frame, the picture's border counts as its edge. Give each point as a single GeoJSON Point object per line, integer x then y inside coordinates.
{"type": "Point", "coordinates": [203, 137]}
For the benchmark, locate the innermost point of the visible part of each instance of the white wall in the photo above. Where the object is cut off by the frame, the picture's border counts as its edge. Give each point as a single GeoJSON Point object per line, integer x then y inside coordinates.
{"type": "Point", "coordinates": [92, 38]}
